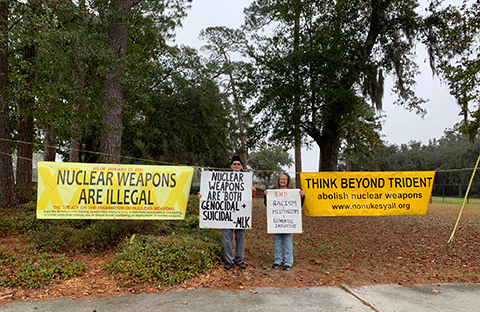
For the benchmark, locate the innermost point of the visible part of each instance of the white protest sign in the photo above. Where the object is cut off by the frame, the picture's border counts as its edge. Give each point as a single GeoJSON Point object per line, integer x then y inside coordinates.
{"type": "Point", "coordinates": [284, 211]}
{"type": "Point", "coordinates": [226, 200]}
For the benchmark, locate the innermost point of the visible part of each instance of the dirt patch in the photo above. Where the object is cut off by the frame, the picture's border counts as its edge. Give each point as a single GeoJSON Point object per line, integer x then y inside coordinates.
{"type": "Point", "coordinates": [353, 251]}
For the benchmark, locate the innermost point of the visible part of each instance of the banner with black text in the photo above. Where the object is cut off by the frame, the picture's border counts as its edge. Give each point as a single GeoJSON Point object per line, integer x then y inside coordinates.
{"type": "Point", "coordinates": [366, 193]}
{"type": "Point", "coordinates": [111, 191]}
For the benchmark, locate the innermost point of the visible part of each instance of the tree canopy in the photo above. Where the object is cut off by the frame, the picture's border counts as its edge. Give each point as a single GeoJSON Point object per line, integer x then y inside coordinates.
{"type": "Point", "coordinates": [452, 36]}
{"type": "Point", "coordinates": [345, 49]}
{"type": "Point", "coordinates": [185, 119]}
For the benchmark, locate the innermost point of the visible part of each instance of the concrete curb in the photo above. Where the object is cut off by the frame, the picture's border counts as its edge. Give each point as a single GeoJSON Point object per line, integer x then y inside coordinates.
{"type": "Point", "coordinates": [442, 297]}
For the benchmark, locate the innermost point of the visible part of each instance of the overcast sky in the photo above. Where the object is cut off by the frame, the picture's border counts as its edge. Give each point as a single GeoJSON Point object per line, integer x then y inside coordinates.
{"type": "Point", "coordinates": [399, 125]}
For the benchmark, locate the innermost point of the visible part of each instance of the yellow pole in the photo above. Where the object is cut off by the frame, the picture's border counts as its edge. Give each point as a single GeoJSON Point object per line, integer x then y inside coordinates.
{"type": "Point", "coordinates": [449, 242]}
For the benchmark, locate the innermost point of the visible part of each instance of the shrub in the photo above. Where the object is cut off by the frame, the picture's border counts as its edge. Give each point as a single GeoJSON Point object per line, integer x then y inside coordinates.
{"type": "Point", "coordinates": [165, 260]}
{"type": "Point", "coordinates": [164, 252]}
{"type": "Point", "coordinates": [28, 268]}
{"type": "Point", "coordinates": [89, 235]}
{"type": "Point", "coordinates": [194, 190]}
{"type": "Point", "coordinates": [192, 206]}
{"type": "Point", "coordinates": [75, 236]}
{"type": "Point", "coordinates": [189, 225]}
{"type": "Point", "coordinates": [15, 221]}
{"type": "Point", "coordinates": [8, 224]}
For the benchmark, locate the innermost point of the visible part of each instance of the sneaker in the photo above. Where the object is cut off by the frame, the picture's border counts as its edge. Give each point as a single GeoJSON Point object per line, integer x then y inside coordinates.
{"type": "Point", "coordinates": [287, 267]}
{"type": "Point", "coordinates": [275, 265]}
{"type": "Point", "coordinates": [242, 266]}
{"type": "Point", "coordinates": [228, 266]}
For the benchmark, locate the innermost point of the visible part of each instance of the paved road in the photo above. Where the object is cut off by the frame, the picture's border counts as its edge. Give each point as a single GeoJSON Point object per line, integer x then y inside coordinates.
{"type": "Point", "coordinates": [434, 298]}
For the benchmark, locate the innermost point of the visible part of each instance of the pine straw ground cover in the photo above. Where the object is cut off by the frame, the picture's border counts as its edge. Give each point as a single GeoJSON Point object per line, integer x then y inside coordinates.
{"type": "Point", "coordinates": [332, 251]}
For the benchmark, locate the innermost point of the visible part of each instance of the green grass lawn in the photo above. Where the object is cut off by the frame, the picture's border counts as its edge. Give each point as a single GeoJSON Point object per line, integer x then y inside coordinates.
{"type": "Point", "coordinates": [455, 200]}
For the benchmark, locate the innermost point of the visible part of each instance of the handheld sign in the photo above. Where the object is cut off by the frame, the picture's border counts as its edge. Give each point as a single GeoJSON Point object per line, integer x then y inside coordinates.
{"type": "Point", "coordinates": [226, 200]}
{"type": "Point", "coordinates": [284, 211]}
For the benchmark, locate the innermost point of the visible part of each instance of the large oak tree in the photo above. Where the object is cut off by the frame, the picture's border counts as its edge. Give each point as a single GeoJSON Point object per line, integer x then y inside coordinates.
{"type": "Point", "coordinates": [345, 50]}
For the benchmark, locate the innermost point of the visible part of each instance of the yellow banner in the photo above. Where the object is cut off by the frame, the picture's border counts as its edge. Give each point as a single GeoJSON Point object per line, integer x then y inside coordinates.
{"type": "Point", "coordinates": [366, 193]}
{"type": "Point", "coordinates": [109, 191]}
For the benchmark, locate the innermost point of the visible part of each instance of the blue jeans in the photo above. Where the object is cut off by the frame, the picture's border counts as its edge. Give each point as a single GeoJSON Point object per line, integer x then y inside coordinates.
{"type": "Point", "coordinates": [283, 243]}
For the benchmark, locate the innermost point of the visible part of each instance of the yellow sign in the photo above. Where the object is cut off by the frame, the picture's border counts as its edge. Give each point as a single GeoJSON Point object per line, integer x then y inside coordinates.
{"type": "Point", "coordinates": [366, 193]}
{"type": "Point", "coordinates": [109, 191]}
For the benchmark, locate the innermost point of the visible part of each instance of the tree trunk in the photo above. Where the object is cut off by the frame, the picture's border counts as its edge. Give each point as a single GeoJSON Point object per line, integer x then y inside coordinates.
{"type": "Point", "coordinates": [348, 161]}
{"type": "Point", "coordinates": [348, 165]}
{"type": "Point", "coordinates": [78, 110]}
{"type": "Point", "coordinates": [329, 147]}
{"type": "Point", "coordinates": [74, 153]}
{"type": "Point", "coordinates": [112, 119]}
{"type": "Point", "coordinates": [319, 160]}
{"type": "Point", "coordinates": [8, 197]}
{"type": "Point", "coordinates": [238, 110]}
{"type": "Point", "coordinates": [25, 133]}
{"type": "Point", "coordinates": [298, 135]}
{"type": "Point", "coordinates": [298, 165]}
{"type": "Point", "coordinates": [25, 153]}
{"type": "Point", "coordinates": [329, 144]}
{"type": "Point", "coordinates": [50, 145]}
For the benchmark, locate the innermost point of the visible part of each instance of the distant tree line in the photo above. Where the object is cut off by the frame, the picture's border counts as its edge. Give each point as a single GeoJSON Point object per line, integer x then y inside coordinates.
{"type": "Point", "coordinates": [452, 156]}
